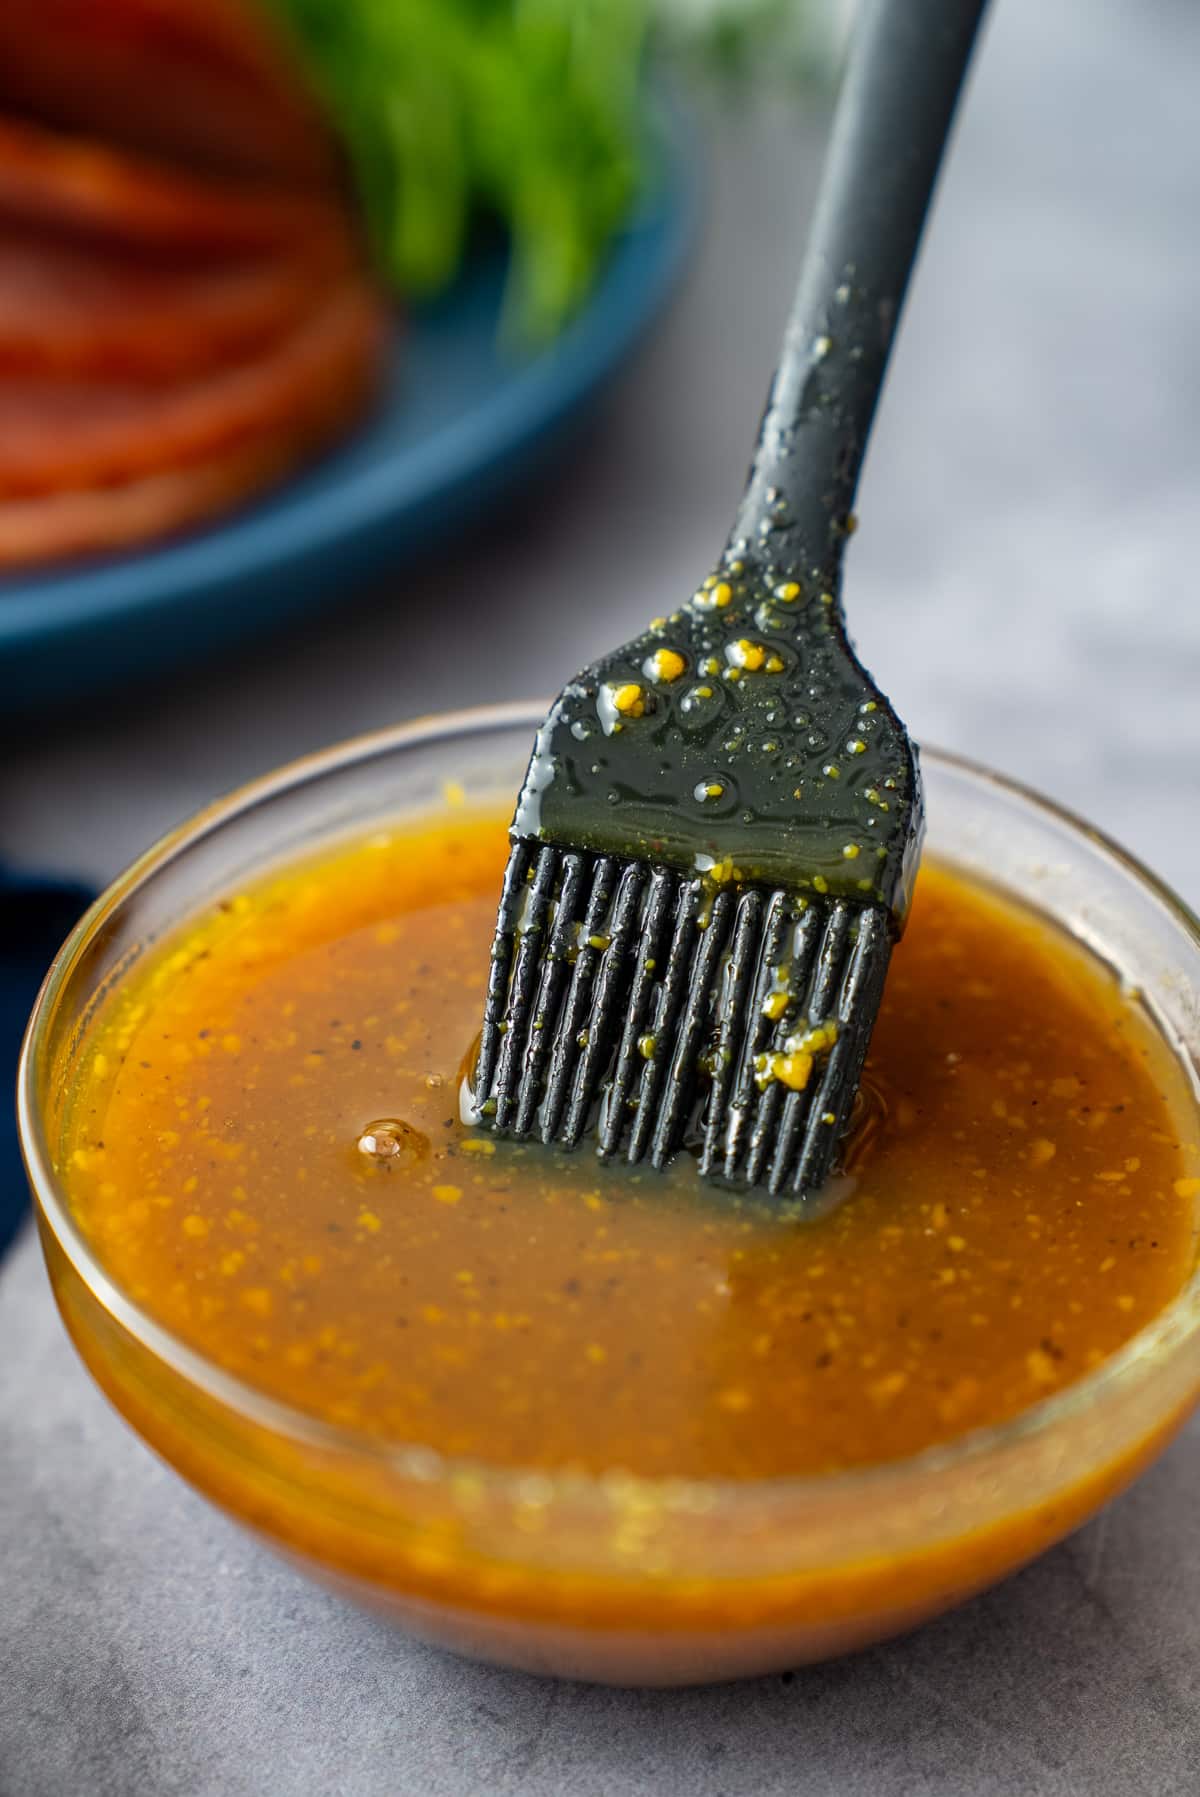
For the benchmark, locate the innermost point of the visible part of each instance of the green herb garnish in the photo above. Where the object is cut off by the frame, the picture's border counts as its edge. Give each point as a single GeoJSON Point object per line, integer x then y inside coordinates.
{"type": "Point", "coordinates": [527, 110]}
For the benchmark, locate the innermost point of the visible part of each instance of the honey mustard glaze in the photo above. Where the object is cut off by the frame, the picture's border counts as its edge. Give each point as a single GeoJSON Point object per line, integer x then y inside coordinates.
{"type": "Point", "coordinates": [260, 1141]}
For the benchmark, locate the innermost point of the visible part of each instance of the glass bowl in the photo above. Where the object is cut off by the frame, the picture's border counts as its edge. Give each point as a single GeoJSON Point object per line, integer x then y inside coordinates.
{"type": "Point", "coordinates": [633, 1581]}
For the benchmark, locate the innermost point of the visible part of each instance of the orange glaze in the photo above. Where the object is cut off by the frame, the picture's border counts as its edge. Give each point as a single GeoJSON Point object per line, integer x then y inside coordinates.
{"type": "Point", "coordinates": [1020, 1202]}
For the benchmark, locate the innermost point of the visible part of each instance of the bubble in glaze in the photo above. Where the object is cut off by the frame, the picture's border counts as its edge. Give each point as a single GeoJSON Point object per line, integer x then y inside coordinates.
{"type": "Point", "coordinates": [392, 1142]}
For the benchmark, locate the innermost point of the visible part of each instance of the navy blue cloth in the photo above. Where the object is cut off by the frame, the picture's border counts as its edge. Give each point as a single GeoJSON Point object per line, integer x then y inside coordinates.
{"type": "Point", "coordinates": [35, 917]}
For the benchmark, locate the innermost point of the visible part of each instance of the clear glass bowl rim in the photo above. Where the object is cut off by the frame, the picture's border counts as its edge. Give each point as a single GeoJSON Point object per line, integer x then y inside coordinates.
{"type": "Point", "coordinates": [1164, 1336]}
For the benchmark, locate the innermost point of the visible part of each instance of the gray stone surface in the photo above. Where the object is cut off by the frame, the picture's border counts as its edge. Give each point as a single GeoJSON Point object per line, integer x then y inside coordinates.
{"type": "Point", "coordinates": [1024, 581]}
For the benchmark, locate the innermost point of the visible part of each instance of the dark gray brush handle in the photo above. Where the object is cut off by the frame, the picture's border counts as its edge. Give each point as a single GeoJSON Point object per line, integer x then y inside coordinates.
{"type": "Point", "coordinates": [893, 116]}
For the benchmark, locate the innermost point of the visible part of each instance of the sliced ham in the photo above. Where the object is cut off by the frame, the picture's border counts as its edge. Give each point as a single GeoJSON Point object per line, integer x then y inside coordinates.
{"type": "Point", "coordinates": [186, 314]}
{"type": "Point", "coordinates": [50, 181]}
{"type": "Point", "coordinates": [107, 519]}
{"type": "Point", "coordinates": [207, 82]}
{"type": "Point", "coordinates": [71, 311]}
{"type": "Point", "coordinates": [61, 436]}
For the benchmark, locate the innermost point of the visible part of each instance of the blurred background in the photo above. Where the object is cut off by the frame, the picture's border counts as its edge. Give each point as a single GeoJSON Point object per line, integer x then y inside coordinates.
{"type": "Point", "coordinates": [1022, 582]}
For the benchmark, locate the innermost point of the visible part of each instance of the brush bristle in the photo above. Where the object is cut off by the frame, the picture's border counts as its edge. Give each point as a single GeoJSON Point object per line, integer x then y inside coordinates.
{"type": "Point", "coordinates": [657, 1011]}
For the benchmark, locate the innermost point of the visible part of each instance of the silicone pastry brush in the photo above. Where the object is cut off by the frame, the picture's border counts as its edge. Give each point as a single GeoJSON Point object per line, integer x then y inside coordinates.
{"type": "Point", "coordinates": [715, 844]}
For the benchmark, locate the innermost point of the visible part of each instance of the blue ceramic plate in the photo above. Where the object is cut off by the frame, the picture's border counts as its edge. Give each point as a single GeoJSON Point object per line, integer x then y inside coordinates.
{"type": "Point", "coordinates": [459, 425]}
